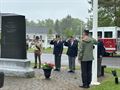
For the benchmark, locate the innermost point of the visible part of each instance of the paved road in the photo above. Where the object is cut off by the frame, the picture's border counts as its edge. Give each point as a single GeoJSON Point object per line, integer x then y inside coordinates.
{"type": "Point", "coordinates": [109, 61]}
{"type": "Point", "coordinates": [112, 61]}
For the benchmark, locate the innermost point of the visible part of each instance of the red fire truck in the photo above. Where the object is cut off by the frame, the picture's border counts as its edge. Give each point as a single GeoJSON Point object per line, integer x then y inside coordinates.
{"type": "Point", "coordinates": [110, 37]}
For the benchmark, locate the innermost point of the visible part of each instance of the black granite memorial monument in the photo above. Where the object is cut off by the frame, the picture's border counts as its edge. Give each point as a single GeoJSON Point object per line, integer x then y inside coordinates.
{"type": "Point", "coordinates": [13, 61]}
{"type": "Point", "coordinates": [13, 38]}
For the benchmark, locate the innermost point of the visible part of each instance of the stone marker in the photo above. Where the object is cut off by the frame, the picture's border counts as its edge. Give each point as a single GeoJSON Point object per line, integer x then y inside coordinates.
{"type": "Point", "coordinates": [13, 61]}
{"type": "Point", "coordinates": [13, 41]}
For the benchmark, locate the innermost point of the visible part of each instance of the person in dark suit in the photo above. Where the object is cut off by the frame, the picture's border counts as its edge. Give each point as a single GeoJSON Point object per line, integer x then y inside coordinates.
{"type": "Point", "coordinates": [57, 51]}
{"type": "Point", "coordinates": [101, 52]}
{"type": "Point", "coordinates": [72, 51]}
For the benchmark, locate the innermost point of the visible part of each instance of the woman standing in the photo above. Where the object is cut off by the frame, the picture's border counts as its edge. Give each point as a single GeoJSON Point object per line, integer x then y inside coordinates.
{"type": "Point", "coordinates": [37, 51]}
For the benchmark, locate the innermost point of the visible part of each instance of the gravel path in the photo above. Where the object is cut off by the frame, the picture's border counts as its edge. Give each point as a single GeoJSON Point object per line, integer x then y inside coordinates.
{"type": "Point", "coordinates": [59, 81]}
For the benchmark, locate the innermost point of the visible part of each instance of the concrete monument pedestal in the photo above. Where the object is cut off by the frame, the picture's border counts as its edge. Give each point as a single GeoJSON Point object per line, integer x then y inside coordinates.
{"type": "Point", "coordinates": [13, 60]}
{"type": "Point", "coordinates": [16, 67]}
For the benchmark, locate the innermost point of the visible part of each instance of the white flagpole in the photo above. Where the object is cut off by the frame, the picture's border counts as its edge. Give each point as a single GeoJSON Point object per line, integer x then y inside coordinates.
{"type": "Point", "coordinates": [0, 28]}
{"type": "Point", "coordinates": [95, 25]}
{"type": "Point", "coordinates": [0, 20]}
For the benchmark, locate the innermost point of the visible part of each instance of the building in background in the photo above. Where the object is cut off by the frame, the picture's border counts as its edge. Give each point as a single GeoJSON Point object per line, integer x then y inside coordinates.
{"type": "Point", "coordinates": [44, 33]}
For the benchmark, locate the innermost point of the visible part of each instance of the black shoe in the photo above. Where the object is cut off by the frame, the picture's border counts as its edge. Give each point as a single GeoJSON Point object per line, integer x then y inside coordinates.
{"type": "Point", "coordinates": [35, 67]}
{"type": "Point", "coordinates": [56, 69]}
{"type": "Point", "coordinates": [99, 76]}
{"type": "Point", "coordinates": [86, 86]}
{"type": "Point", "coordinates": [71, 71]}
{"type": "Point", "coordinates": [81, 86]}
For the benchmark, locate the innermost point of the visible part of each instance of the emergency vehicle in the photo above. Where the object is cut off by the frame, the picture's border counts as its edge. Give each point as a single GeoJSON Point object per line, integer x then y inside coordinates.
{"type": "Point", "coordinates": [110, 37]}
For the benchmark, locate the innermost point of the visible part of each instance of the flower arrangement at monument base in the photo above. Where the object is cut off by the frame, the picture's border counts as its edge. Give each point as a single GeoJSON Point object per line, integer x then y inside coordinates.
{"type": "Point", "coordinates": [47, 68]}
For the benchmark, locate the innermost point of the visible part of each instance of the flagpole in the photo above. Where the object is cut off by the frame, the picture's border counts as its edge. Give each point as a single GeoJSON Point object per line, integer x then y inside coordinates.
{"type": "Point", "coordinates": [0, 27]}
{"type": "Point", "coordinates": [95, 25]}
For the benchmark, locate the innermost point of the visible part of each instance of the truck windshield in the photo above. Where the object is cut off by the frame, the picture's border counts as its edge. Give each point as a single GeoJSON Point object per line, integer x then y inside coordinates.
{"type": "Point", "coordinates": [108, 34]}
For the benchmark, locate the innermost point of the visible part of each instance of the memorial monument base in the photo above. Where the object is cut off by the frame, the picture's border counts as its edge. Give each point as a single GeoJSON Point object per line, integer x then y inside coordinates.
{"type": "Point", "coordinates": [16, 67]}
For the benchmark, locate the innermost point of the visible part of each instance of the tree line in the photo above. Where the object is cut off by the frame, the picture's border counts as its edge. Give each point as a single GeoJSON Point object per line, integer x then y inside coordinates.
{"type": "Point", "coordinates": [108, 15]}
{"type": "Point", "coordinates": [66, 27]}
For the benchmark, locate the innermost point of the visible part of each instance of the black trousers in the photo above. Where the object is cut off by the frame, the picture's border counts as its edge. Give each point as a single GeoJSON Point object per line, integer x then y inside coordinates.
{"type": "Point", "coordinates": [57, 61]}
{"type": "Point", "coordinates": [39, 59]}
{"type": "Point", "coordinates": [99, 66]}
{"type": "Point", "coordinates": [86, 69]}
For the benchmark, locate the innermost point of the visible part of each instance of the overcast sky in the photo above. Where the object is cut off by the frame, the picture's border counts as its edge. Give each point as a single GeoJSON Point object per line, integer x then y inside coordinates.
{"type": "Point", "coordinates": [43, 9]}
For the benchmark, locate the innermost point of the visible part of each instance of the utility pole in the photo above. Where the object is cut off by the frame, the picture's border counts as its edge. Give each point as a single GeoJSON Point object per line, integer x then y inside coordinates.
{"type": "Point", "coordinates": [95, 26]}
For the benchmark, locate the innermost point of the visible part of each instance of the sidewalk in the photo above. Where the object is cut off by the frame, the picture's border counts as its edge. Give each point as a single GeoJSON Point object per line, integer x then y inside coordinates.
{"type": "Point", "coordinates": [59, 81]}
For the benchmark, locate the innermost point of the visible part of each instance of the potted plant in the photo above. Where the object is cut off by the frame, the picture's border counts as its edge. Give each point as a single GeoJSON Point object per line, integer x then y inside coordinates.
{"type": "Point", "coordinates": [47, 68]}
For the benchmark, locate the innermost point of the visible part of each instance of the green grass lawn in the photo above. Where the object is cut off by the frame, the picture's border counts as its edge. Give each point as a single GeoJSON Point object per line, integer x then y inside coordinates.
{"type": "Point", "coordinates": [108, 82]}
{"type": "Point", "coordinates": [48, 50]}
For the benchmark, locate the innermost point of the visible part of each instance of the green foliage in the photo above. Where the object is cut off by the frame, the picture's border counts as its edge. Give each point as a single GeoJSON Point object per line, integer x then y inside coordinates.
{"type": "Point", "coordinates": [57, 27]}
{"type": "Point", "coordinates": [68, 33]}
{"type": "Point", "coordinates": [30, 23]}
{"type": "Point", "coordinates": [71, 26]}
{"type": "Point", "coordinates": [90, 23]}
{"type": "Point", "coordinates": [47, 66]}
{"type": "Point", "coordinates": [109, 12]}
{"type": "Point", "coordinates": [104, 19]}
{"type": "Point", "coordinates": [50, 31]}
{"type": "Point", "coordinates": [65, 27]}
{"type": "Point", "coordinates": [0, 35]}
{"type": "Point", "coordinates": [49, 23]}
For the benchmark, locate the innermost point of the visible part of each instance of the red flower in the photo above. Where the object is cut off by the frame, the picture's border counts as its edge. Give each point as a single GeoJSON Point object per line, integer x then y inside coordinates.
{"type": "Point", "coordinates": [47, 65]}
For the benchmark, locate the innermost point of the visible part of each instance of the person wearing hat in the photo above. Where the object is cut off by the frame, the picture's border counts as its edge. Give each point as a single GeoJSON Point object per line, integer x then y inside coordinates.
{"type": "Point", "coordinates": [37, 51]}
{"type": "Point", "coordinates": [57, 51]}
